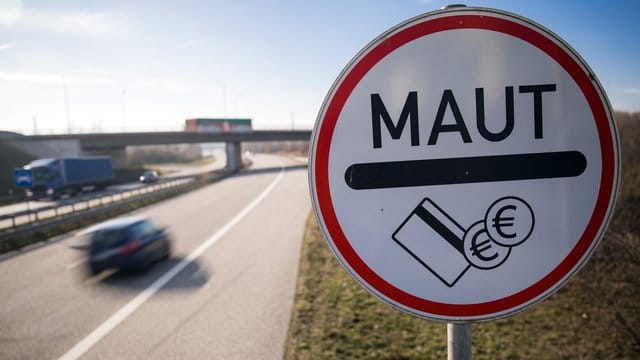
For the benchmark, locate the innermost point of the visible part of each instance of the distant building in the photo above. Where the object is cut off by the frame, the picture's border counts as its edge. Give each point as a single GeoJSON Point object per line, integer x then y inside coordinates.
{"type": "Point", "coordinates": [217, 125]}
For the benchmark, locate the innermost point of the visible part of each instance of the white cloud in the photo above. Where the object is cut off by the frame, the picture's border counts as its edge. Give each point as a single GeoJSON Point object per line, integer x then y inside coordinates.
{"type": "Point", "coordinates": [99, 72]}
{"type": "Point", "coordinates": [76, 23]}
{"type": "Point", "coordinates": [95, 77]}
{"type": "Point", "coordinates": [7, 46]}
{"type": "Point", "coordinates": [44, 78]}
{"type": "Point", "coordinates": [178, 87]}
{"type": "Point", "coordinates": [10, 11]}
{"type": "Point", "coordinates": [632, 91]}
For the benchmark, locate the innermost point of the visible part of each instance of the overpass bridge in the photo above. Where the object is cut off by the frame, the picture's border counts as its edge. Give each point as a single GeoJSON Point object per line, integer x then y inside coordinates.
{"type": "Point", "coordinates": [114, 144]}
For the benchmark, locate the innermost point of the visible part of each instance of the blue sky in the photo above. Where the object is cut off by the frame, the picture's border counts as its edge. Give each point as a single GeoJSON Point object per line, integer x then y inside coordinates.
{"type": "Point", "coordinates": [145, 65]}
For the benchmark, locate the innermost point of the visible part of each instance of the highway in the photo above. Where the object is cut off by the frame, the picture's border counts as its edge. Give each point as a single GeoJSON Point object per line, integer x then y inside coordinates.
{"type": "Point", "coordinates": [226, 292]}
{"type": "Point", "coordinates": [176, 171]}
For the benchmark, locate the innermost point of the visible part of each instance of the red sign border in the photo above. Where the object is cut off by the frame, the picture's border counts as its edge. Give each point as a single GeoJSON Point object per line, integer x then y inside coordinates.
{"type": "Point", "coordinates": [606, 192]}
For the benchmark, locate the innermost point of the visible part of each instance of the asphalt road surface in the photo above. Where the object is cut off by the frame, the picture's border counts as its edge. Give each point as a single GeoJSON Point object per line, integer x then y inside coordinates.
{"type": "Point", "coordinates": [226, 293]}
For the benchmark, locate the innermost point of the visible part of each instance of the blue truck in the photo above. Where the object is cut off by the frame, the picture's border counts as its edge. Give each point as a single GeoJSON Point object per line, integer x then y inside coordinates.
{"type": "Point", "coordinates": [53, 178]}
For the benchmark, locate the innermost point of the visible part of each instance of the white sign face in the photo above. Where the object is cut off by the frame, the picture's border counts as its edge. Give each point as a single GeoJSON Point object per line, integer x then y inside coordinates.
{"type": "Point", "coordinates": [464, 165]}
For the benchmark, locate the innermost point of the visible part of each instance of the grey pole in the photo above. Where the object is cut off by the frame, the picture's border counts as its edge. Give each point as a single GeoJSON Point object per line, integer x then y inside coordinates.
{"type": "Point", "coordinates": [459, 341]}
{"type": "Point", "coordinates": [66, 104]}
{"type": "Point", "coordinates": [124, 126]}
{"type": "Point", "coordinates": [28, 212]}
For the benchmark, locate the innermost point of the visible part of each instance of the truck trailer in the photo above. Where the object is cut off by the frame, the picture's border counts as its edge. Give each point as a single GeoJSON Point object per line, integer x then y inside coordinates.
{"type": "Point", "coordinates": [55, 177]}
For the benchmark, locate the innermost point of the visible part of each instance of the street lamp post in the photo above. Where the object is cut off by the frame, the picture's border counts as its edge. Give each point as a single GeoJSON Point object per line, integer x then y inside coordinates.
{"type": "Point", "coordinates": [124, 91]}
{"type": "Point", "coordinates": [66, 103]}
{"type": "Point", "coordinates": [224, 96]}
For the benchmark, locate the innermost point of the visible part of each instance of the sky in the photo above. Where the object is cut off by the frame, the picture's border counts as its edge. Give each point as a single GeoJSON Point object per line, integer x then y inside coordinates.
{"type": "Point", "coordinates": [148, 65]}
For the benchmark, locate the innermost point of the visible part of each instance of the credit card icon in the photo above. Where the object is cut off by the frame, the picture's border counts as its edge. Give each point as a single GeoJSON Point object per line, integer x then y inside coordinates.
{"type": "Point", "coordinates": [435, 240]}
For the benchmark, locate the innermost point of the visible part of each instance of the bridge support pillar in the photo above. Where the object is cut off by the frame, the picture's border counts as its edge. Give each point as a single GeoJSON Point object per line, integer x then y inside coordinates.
{"type": "Point", "coordinates": [119, 158]}
{"type": "Point", "coordinates": [234, 156]}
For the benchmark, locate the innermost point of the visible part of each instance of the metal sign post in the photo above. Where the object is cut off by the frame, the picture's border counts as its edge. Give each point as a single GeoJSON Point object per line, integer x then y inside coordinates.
{"type": "Point", "coordinates": [28, 210]}
{"type": "Point", "coordinates": [459, 341]}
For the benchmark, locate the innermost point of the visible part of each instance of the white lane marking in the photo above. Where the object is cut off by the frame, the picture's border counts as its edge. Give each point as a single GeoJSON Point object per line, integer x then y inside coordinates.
{"type": "Point", "coordinates": [98, 278]}
{"type": "Point", "coordinates": [101, 331]}
{"type": "Point", "coordinates": [76, 263]}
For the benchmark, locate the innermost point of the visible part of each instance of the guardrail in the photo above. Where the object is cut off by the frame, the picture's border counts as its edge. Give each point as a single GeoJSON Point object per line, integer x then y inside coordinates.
{"type": "Point", "coordinates": [71, 206]}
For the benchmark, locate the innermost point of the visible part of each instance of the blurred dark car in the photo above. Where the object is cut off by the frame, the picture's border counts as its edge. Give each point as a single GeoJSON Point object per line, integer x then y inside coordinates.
{"type": "Point", "coordinates": [129, 243]}
{"type": "Point", "coordinates": [149, 177]}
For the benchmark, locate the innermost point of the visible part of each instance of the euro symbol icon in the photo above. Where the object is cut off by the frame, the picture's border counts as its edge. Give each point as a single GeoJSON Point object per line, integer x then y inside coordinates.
{"type": "Point", "coordinates": [500, 221]}
{"type": "Point", "coordinates": [482, 252]}
{"type": "Point", "coordinates": [477, 250]}
{"type": "Point", "coordinates": [509, 221]}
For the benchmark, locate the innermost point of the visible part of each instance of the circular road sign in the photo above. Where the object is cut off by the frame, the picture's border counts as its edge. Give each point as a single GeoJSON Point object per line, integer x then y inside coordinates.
{"type": "Point", "coordinates": [464, 164]}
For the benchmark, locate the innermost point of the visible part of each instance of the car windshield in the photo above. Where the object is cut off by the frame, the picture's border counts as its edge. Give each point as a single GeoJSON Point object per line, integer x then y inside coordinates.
{"type": "Point", "coordinates": [142, 229]}
{"type": "Point", "coordinates": [107, 238]}
{"type": "Point", "coordinates": [41, 174]}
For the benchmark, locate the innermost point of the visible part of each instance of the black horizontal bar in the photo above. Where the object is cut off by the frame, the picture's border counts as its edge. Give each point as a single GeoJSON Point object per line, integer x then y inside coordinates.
{"type": "Point", "coordinates": [479, 169]}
